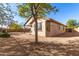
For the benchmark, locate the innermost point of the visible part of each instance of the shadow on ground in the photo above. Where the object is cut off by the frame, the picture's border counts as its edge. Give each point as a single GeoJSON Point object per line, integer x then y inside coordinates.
{"type": "Point", "coordinates": [16, 47]}
{"type": "Point", "coordinates": [50, 49]}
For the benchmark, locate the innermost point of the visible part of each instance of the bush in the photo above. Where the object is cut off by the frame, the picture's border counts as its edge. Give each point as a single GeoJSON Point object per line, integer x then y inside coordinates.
{"type": "Point", "coordinates": [4, 31]}
{"type": "Point", "coordinates": [4, 34]}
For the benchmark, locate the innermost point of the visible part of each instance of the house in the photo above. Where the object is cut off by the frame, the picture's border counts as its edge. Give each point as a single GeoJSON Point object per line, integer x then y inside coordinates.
{"type": "Point", "coordinates": [47, 27]}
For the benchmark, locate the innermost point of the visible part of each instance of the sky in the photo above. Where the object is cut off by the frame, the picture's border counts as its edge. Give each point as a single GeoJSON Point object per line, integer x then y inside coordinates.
{"type": "Point", "coordinates": [66, 11]}
{"type": "Point", "coordinates": [17, 18]}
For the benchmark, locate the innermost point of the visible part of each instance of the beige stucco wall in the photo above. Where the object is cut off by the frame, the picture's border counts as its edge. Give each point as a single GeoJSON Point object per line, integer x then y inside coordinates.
{"type": "Point", "coordinates": [40, 33]}
{"type": "Point", "coordinates": [54, 29]}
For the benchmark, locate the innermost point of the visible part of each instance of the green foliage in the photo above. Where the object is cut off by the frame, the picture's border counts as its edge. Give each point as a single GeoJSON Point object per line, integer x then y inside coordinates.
{"type": "Point", "coordinates": [4, 34]}
{"type": "Point", "coordinates": [15, 26]}
{"type": "Point", "coordinates": [71, 23]}
{"type": "Point", "coordinates": [25, 10]}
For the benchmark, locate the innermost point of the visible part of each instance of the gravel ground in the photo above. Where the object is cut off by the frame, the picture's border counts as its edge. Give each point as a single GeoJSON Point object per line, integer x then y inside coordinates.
{"type": "Point", "coordinates": [22, 44]}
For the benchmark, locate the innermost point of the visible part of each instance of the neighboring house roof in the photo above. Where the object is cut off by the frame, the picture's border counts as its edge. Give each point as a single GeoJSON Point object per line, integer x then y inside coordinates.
{"type": "Point", "coordinates": [49, 19]}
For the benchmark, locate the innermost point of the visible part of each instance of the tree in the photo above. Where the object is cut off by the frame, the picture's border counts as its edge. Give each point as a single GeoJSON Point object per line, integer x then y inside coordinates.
{"type": "Point", "coordinates": [14, 25]}
{"type": "Point", "coordinates": [35, 11]}
{"type": "Point", "coordinates": [6, 14]}
{"type": "Point", "coordinates": [71, 23]}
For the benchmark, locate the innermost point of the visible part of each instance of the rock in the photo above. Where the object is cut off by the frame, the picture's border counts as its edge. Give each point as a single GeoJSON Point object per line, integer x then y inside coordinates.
{"type": "Point", "coordinates": [27, 46]}
{"type": "Point", "coordinates": [54, 51]}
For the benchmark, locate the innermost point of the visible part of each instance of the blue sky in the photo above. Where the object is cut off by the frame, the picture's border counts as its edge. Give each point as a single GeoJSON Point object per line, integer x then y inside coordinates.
{"type": "Point", "coordinates": [66, 11]}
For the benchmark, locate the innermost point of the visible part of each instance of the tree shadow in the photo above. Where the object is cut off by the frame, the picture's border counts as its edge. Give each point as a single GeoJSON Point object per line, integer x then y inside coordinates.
{"type": "Point", "coordinates": [30, 48]}
{"type": "Point", "coordinates": [47, 48]}
{"type": "Point", "coordinates": [51, 49]}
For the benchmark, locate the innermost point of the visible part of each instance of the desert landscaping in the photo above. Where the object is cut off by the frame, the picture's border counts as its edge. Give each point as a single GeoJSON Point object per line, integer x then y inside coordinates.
{"type": "Point", "coordinates": [27, 29]}
{"type": "Point", "coordinates": [20, 44]}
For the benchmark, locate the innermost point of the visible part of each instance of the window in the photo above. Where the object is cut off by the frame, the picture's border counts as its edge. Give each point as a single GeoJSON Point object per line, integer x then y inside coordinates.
{"type": "Point", "coordinates": [61, 28]}
{"type": "Point", "coordinates": [39, 25]}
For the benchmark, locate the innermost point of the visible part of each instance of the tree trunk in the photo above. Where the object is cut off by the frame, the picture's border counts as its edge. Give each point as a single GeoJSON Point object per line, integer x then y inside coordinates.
{"type": "Point", "coordinates": [36, 31]}
{"type": "Point", "coordinates": [34, 13]}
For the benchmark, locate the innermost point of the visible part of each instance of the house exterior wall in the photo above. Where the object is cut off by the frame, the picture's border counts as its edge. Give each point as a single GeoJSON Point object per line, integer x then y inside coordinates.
{"type": "Point", "coordinates": [55, 29]}
{"type": "Point", "coordinates": [40, 32]}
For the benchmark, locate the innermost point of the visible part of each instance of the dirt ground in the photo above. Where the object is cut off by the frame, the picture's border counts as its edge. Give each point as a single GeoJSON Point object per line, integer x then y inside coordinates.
{"type": "Point", "coordinates": [22, 44]}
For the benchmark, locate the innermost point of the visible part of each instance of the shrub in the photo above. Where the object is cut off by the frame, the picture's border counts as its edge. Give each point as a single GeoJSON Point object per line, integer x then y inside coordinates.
{"type": "Point", "coordinates": [4, 34]}
{"type": "Point", "coordinates": [4, 31]}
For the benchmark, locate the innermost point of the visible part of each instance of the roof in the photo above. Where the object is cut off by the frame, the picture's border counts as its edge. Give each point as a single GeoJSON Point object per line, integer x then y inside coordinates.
{"type": "Point", "coordinates": [52, 20]}
{"type": "Point", "coordinates": [27, 20]}
{"type": "Point", "coordinates": [49, 19]}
